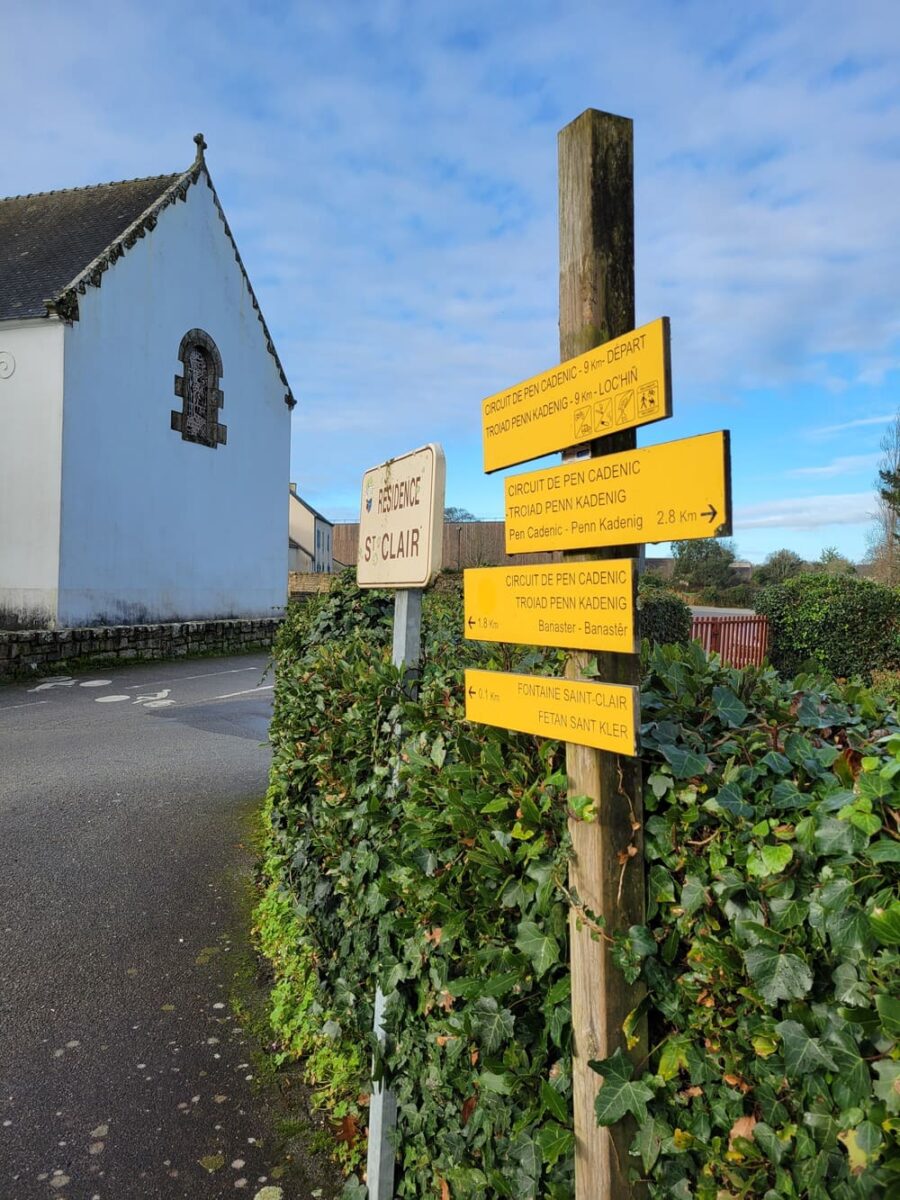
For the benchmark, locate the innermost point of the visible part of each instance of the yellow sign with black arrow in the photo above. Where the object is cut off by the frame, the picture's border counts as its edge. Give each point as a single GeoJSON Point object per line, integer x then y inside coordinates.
{"type": "Point", "coordinates": [673, 491]}
{"type": "Point", "coordinates": [622, 384]}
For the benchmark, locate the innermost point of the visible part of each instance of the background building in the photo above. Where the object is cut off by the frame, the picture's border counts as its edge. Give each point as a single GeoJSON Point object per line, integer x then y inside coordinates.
{"type": "Point", "coordinates": [310, 537]}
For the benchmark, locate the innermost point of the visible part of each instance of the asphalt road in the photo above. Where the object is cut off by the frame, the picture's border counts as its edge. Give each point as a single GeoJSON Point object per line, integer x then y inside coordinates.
{"type": "Point", "coordinates": [124, 805]}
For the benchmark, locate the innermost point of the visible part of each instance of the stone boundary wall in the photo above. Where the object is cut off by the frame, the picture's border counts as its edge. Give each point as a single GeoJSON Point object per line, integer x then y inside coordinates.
{"type": "Point", "coordinates": [306, 583]}
{"type": "Point", "coordinates": [41, 651]}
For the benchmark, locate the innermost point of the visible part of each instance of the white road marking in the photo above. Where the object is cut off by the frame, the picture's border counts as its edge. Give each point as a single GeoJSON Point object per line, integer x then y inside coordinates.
{"type": "Point", "coordinates": [246, 692]}
{"type": "Point", "coordinates": [110, 699]}
{"type": "Point", "coordinates": [154, 698]}
{"type": "Point", "coordinates": [29, 704]}
{"type": "Point", "coordinates": [96, 683]}
{"type": "Point", "coordinates": [185, 678]}
{"type": "Point", "coordinates": [59, 681]}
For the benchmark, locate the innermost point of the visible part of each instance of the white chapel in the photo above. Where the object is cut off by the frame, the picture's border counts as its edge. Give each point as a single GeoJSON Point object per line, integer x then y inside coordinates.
{"type": "Point", "coordinates": [144, 412]}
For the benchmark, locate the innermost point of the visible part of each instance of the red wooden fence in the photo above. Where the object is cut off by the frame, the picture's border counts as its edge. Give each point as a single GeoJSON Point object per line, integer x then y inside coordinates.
{"type": "Point", "coordinates": [741, 641]}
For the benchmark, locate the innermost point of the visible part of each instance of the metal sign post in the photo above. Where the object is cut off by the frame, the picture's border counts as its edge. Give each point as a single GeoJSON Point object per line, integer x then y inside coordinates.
{"type": "Point", "coordinates": [382, 1101]}
{"type": "Point", "coordinates": [401, 534]}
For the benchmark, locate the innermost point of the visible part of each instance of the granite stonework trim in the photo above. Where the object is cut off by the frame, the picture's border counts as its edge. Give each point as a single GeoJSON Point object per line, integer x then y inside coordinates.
{"type": "Point", "coordinates": [214, 434]}
{"type": "Point", "coordinates": [37, 651]}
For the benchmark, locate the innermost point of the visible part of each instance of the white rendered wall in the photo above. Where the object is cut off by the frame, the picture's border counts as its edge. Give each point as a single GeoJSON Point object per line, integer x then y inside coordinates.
{"type": "Point", "coordinates": [155, 528]}
{"type": "Point", "coordinates": [30, 440]}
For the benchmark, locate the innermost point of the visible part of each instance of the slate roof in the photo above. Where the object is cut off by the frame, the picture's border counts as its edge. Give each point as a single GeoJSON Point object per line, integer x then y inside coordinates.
{"type": "Point", "coordinates": [55, 245]}
{"type": "Point", "coordinates": [47, 240]}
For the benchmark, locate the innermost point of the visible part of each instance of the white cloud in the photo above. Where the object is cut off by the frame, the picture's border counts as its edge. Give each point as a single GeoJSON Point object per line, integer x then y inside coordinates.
{"type": "Point", "coordinates": [806, 512]}
{"type": "Point", "coordinates": [389, 171]}
{"type": "Point", "coordinates": [860, 422]}
{"type": "Point", "coordinates": [845, 465]}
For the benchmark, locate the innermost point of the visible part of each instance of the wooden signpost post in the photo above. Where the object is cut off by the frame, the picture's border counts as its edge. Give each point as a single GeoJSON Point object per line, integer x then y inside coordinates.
{"type": "Point", "coordinates": [606, 497]}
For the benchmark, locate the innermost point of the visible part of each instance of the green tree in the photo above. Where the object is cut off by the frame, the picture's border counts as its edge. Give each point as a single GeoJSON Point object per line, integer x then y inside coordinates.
{"type": "Point", "coordinates": [779, 566]}
{"type": "Point", "coordinates": [458, 514]}
{"type": "Point", "coordinates": [884, 539]}
{"type": "Point", "coordinates": [704, 563]}
{"type": "Point", "coordinates": [834, 563]}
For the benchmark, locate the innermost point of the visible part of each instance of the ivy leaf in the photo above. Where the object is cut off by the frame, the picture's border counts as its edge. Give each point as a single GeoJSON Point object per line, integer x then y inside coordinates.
{"type": "Point", "coordinates": [503, 1084]}
{"type": "Point", "coordinates": [660, 886]}
{"type": "Point", "coordinates": [554, 1141]}
{"type": "Point", "coordinates": [769, 860]}
{"type": "Point", "coordinates": [492, 985]}
{"type": "Point", "coordinates": [728, 707]}
{"type": "Point", "coordinates": [465, 1181]}
{"type": "Point", "coordinates": [802, 1053]}
{"type": "Point", "coordinates": [641, 941]}
{"type": "Point", "coordinates": [884, 851]}
{"type": "Point", "coordinates": [863, 1145]}
{"type": "Point", "coordinates": [874, 786]}
{"type": "Point", "coordinates": [732, 800]}
{"type": "Point", "coordinates": [885, 924]}
{"type": "Point", "coordinates": [785, 794]}
{"type": "Point", "coordinates": [764, 1045]}
{"type": "Point", "coordinates": [649, 1141]}
{"type": "Point", "coordinates": [492, 1025]}
{"type": "Point", "coordinates": [887, 1086]}
{"type": "Point", "coordinates": [852, 1084]}
{"type": "Point", "coordinates": [498, 804]}
{"type": "Point", "coordinates": [848, 989]}
{"type": "Point", "coordinates": [686, 764]}
{"type": "Point", "coordinates": [889, 1011]}
{"type": "Point", "coordinates": [869, 823]}
{"type": "Point", "coordinates": [776, 762]}
{"type": "Point", "coordinates": [674, 1057]}
{"type": "Point", "coordinates": [619, 1093]}
{"type": "Point", "coordinates": [849, 931]}
{"type": "Point", "coordinates": [660, 784]}
{"type": "Point", "coordinates": [560, 991]}
{"type": "Point", "coordinates": [693, 895]}
{"type": "Point", "coordinates": [542, 949]}
{"type": "Point", "coordinates": [553, 1102]}
{"type": "Point", "coordinates": [777, 976]}
{"type": "Point", "coordinates": [835, 837]}
{"type": "Point", "coordinates": [526, 1153]}
{"type": "Point", "coordinates": [769, 1142]}
{"type": "Point", "coordinates": [787, 914]}
{"type": "Point", "coordinates": [438, 751]}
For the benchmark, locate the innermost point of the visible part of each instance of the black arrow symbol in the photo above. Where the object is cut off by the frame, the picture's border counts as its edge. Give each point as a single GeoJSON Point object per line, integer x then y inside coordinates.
{"type": "Point", "coordinates": [471, 691]}
{"type": "Point", "coordinates": [709, 512]}
{"type": "Point", "coordinates": [471, 622]}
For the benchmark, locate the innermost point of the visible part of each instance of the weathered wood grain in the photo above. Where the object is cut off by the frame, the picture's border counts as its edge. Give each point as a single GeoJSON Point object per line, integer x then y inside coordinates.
{"type": "Point", "coordinates": [596, 303]}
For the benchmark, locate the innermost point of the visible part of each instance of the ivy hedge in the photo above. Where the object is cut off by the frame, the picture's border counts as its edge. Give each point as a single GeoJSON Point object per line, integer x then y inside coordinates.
{"type": "Point", "coordinates": [842, 625]}
{"type": "Point", "coordinates": [407, 848]}
{"type": "Point", "coordinates": [665, 617]}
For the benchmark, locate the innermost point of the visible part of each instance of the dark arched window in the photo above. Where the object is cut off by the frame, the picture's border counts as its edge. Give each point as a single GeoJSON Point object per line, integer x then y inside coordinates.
{"type": "Point", "coordinates": [198, 387]}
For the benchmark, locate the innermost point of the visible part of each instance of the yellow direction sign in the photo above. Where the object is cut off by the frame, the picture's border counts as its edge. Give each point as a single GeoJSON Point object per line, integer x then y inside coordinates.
{"type": "Point", "coordinates": [672, 491]}
{"type": "Point", "coordinates": [603, 715]}
{"type": "Point", "coordinates": [621, 384]}
{"type": "Point", "coordinates": [579, 605]}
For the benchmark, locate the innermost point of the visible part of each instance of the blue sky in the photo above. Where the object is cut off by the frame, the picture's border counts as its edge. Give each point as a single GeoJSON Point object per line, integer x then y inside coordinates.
{"type": "Point", "coordinates": [389, 171]}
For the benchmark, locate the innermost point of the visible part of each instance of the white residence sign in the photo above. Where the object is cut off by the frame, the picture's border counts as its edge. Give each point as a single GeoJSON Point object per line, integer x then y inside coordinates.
{"type": "Point", "coordinates": [401, 521]}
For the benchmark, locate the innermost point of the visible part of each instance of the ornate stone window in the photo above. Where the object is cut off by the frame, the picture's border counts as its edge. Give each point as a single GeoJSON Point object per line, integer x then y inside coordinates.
{"type": "Point", "coordinates": [198, 387]}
